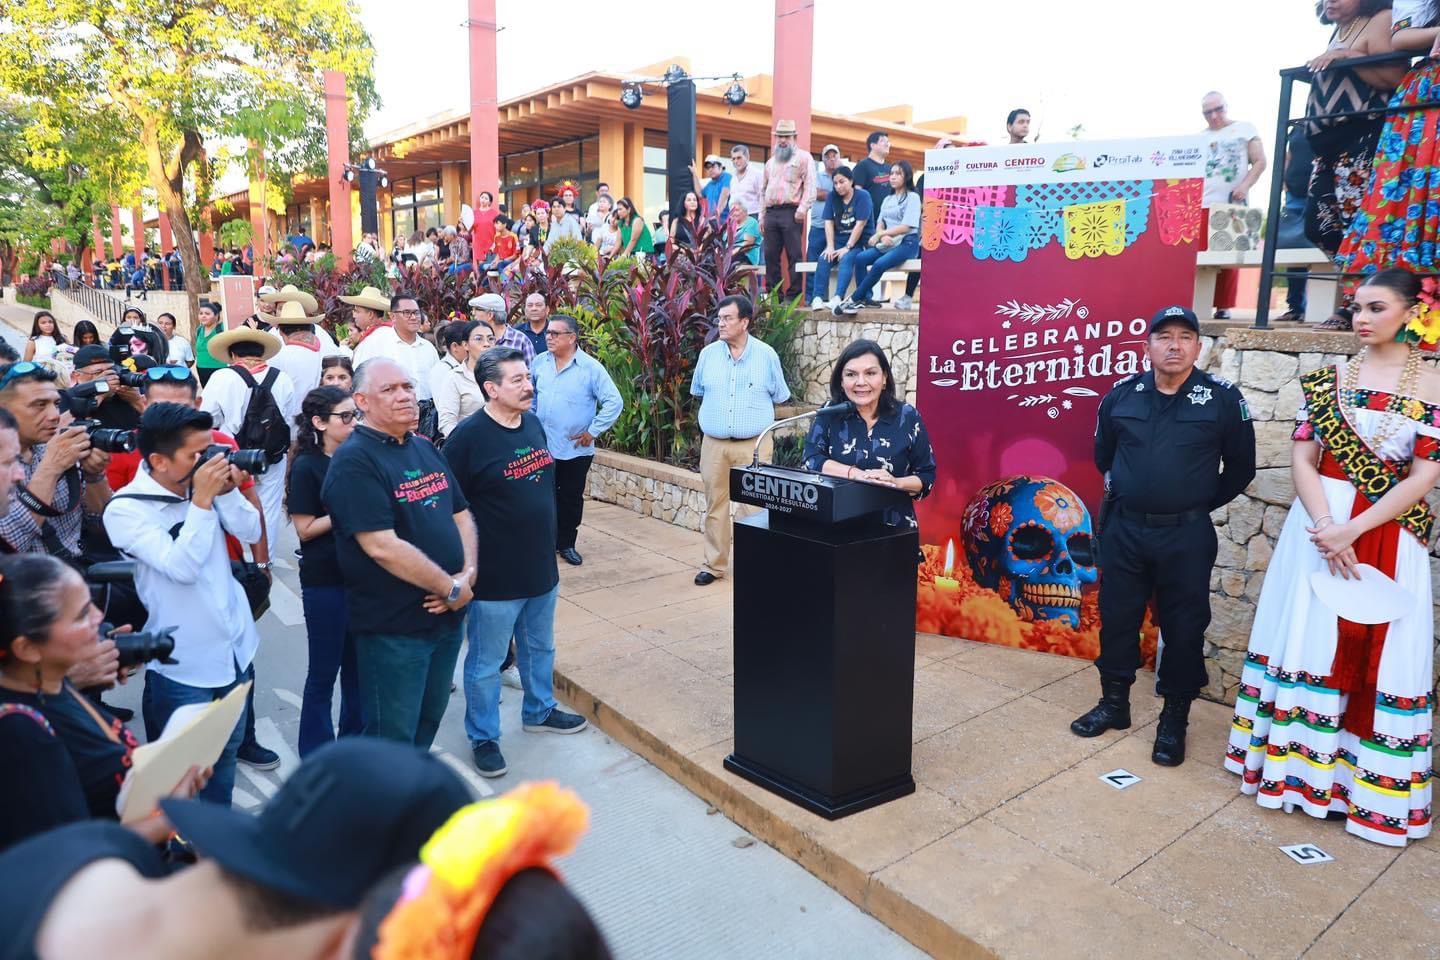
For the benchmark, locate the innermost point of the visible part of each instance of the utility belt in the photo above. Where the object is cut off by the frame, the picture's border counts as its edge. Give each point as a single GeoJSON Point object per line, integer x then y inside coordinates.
{"type": "Point", "coordinates": [1158, 519]}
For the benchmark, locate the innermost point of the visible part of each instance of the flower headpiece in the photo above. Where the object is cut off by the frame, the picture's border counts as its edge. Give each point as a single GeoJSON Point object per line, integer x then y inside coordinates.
{"type": "Point", "coordinates": [468, 861]}
{"type": "Point", "coordinates": [1424, 330]}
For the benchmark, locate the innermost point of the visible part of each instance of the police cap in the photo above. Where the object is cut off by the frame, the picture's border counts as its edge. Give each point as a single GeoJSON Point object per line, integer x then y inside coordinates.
{"type": "Point", "coordinates": [1178, 313]}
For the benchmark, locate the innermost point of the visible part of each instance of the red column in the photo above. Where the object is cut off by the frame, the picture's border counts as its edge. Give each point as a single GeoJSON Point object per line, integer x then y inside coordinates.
{"type": "Point", "coordinates": [794, 51]}
{"type": "Point", "coordinates": [484, 103]}
{"type": "Point", "coordinates": [117, 247]}
{"type": "Point", "coordinates": [137, 223]}
{"type": "Point", "coordinates": [337, 138]}
{"type": "Point", "coordinates": [167, 244]}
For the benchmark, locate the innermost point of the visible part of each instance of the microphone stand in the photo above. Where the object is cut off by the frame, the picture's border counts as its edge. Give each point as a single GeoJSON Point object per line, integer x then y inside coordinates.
{"type": "Point", "coordinates": [843, 407]}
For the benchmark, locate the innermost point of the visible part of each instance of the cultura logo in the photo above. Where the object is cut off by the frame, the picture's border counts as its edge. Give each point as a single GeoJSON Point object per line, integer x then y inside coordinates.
{"type": "Point", "coordinates": [1069, 161]}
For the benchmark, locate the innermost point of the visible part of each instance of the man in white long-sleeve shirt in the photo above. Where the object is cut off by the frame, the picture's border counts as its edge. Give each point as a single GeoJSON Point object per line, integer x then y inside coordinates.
{"type": "Point", "coordinates": [172, 519]}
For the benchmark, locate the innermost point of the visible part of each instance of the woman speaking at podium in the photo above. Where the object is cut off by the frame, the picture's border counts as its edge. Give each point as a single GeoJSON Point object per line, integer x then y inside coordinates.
{"type": "Point", "coordinates": [881, 440]}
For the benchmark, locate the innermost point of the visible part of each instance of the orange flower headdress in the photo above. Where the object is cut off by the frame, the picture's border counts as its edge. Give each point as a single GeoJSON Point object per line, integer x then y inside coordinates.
{"type": "Point", "coordinates": [469, 860]}
{"type": "Point", "coordinates": [1424, 330]}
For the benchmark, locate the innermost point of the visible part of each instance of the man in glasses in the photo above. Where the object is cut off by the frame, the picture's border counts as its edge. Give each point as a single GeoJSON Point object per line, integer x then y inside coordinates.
{"type": "Point", "coordinates": [576, 401]}
{"type": "Point", "coordinates": [402, 342]}
{"type": "Point", "coordinates": [1234, 161]}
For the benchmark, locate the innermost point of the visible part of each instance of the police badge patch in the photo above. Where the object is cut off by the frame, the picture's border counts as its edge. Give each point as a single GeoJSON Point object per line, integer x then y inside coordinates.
{"type": "Point", "coordinates": [1199, 395]}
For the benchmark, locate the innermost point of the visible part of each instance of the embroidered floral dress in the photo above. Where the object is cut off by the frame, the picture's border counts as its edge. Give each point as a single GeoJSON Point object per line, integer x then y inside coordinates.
{"type": "Point", "coordinates": [898, 442]}
{"type": "Point", "coordinates": [1399, 220]}
{"type": "Point", "coordinates": [1334, 716]}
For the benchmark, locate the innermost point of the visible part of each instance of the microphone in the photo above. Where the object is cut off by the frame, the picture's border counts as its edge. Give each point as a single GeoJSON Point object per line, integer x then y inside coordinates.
{"type": "Point", "coordinates": [843, 407]}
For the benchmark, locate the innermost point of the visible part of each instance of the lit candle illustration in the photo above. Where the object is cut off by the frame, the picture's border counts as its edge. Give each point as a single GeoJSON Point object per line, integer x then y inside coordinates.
{"type": "Point", "coordinates": [947, 582]}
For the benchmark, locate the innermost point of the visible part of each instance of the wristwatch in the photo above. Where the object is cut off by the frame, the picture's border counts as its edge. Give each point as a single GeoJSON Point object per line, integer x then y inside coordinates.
{"type": "Point", "coordinates": [264, 564]}
{"type": "Point", "coordinates": [454, 593]}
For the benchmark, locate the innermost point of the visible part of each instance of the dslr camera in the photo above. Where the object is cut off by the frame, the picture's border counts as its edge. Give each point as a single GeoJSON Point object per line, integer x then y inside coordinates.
{"type": "Point", "coordinates": [251, 461]}
{"type": "Point", "coordinates": [142, 647]}
{"type": "Point", "coordinates": [81, 401]}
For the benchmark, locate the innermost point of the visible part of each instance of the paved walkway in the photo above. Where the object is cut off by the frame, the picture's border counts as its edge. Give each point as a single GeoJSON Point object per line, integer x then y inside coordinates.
{"type": "Point", "coordinates": [1013, 845]}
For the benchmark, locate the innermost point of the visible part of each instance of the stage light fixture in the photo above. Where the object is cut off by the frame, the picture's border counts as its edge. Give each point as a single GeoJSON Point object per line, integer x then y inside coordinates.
{"type": "Point", "coordinates": [349, 175]}
{"type": "Point", "coordinates": [735, 94]}
{"type": "Point", "coordinates": [631, 95]}
{"type": "Point", "coordinates": [384, 182]}
{"type": "Point", "coordinates": [369, 163]}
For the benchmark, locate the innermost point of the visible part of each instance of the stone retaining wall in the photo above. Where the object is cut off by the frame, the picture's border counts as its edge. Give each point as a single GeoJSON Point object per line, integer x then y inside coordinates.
{"type": "Point", "coordinates": [651, 489]}
{"type": "Point", "coordinates": [822, 337]}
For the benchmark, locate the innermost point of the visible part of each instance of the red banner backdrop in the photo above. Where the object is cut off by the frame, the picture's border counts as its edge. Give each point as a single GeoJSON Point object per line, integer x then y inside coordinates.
{"type": "Point", "coordinates": [1041, 267]}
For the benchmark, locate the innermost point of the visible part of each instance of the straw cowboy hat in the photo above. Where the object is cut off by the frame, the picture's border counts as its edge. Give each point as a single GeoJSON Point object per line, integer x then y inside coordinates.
{"type": "Point", "coordinates": [292, 314]}
{"type": "Point", "coordinates": [288, 294]}
{"type": "Point", "coordinates": [785, 128]}
{"type": "Point", "coordinates": [371, 298]}
{"type": "Point", "coordinates": [221, 343]}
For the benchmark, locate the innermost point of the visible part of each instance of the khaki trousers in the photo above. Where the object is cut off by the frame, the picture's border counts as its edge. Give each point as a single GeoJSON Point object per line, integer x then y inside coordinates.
{"type": "Point", "coordinates": [716, 458]}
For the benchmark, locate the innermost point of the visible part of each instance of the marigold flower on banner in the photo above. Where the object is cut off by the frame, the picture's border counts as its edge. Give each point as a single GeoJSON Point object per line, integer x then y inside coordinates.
{"type": "Point", "coordinates": [1056, 505]}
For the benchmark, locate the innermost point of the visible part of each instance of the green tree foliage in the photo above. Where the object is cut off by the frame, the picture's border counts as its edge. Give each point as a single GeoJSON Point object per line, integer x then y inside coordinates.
{"type": "Point", "coordinates": [177, 73]}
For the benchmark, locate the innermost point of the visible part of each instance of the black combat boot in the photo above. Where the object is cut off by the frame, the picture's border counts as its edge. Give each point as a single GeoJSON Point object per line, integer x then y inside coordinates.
{"type": "Point", "coordinates": [1111, 713]}
{"type": "Point", "coordinates": [1170, 733]}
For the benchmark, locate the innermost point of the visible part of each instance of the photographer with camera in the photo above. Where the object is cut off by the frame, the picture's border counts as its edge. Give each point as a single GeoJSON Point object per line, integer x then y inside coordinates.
{"type": "Point", "coordinates": [64, 471]}
{"type": "Point", "coordinates": [73, 756]}
{"type": "Point", "coordinates": [172, 520]}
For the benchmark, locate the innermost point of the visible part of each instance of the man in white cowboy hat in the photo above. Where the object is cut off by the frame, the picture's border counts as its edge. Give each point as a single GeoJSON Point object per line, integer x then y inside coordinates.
{"type": "Point", "coordinates": [227, 398]}
{"type": "Point", "coordinates": [301, 355]}
{"type": "Point", "coordinates": [490, 308]}
{"type": "Point", "coordinates": [289, 293]}
{"type": "Point", "coordinates": [786, 196]}
{"type": "Point", "coordinates": [367, 309]}
{"type": "Point", "coordinates": [400, 340]}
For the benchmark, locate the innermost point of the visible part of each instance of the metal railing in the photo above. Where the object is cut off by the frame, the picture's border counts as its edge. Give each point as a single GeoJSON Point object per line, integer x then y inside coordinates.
{"type": "Point", "coordinates": [1283, 123]}
{"type": "Point", "coordinates": [103, 304]}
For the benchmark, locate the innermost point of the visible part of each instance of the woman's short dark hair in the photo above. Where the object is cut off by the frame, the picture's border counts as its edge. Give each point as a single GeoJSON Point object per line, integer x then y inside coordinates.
{"type": "Point", "coordinates": [83, 327]}
{"type": "Point", "coordinates": [170, 315]}
{"type": "Point", "coordinates": [457, 332]}
{"type": "Point", "coordinates": [860, 348]}
{"type": "Point", "coordinates": [533, 917]}
{"type": "Point", "coordinates": [338, 360]}
{"type": "Point", "coordinates": [1366, 8]}
{"type": "Point", "coordinates": [29, 596]}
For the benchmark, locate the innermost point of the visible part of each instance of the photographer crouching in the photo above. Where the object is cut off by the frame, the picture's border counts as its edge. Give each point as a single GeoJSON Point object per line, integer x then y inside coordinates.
{"type": "Point", "coordinates": [73, 756]}
{"type": "Point", "coordinates": [172, 520]}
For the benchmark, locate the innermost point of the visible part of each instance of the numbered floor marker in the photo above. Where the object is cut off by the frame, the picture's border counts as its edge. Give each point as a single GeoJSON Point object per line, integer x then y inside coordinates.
{"type": "Point", "coordinates": [1120, 779]}
{"type": "Point", "coordinates": [1306, 853]}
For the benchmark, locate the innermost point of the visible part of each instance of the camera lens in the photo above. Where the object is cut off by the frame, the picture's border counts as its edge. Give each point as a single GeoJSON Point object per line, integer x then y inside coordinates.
{"type": "Point", "coordinates": [138, 648]}
{"type": "Point", "coordinates": [128, 379]}
{"type": "Point", "coordinates": [251, 461]}
{"type": "Point", "coordinates": [113, 441]}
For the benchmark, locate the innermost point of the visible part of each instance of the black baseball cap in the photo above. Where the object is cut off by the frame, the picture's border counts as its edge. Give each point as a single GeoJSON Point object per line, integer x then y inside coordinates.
{"type": "Point", "coordinates": [91, 354]}
{"type": "Point", "coordinates": [1182, 314]}
{"type": "Point", "coordinates": [354, 810]}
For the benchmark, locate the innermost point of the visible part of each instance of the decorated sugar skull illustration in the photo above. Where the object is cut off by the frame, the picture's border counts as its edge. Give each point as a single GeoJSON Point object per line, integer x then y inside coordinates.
{"type": "Point", "coordinates": [1030, 540]}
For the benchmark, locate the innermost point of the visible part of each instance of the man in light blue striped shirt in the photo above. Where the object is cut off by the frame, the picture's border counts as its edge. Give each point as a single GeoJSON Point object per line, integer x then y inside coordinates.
{"type": "Point", "coordinates": [576, 402]}
{"type": "Point", "coordinates": [738, 380]}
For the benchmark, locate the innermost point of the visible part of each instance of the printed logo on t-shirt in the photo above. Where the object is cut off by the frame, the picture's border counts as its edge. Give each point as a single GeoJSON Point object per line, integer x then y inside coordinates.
{"type": "Point", "coordinates": [528, 463]}
{"type": "Point", "coordinates": [422, 488]}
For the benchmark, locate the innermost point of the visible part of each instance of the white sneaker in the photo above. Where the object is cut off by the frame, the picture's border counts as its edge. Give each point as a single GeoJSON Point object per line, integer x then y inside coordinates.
{"type": "Point", "coordinates": [511, 678]}
{"type": "Point", "coordinates": [903, 303]}
{"type": "Point", "coordinates": [817, 304]}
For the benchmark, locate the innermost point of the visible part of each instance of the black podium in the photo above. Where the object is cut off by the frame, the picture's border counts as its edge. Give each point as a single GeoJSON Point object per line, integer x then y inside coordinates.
{"type": "Point", "coordinates": [824, 598]}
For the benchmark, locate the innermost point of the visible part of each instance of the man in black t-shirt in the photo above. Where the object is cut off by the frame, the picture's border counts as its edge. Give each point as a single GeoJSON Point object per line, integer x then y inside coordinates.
{"type": "Point", "coordinates": [508, 476]}
{"type": "Point", "coordinates": [406, 545]}
{"type": "Point", "coordinates": [873, 173]}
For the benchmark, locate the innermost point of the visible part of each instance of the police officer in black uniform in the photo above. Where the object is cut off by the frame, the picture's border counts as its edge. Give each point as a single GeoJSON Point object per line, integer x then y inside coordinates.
{"type": "Point", "coordinates": [1160, 442]}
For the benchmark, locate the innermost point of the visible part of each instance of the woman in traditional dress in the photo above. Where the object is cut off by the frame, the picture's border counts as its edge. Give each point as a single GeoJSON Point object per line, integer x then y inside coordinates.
{"type": "Point", "coordinates": [1345, 146]}
{"type": "Point", "coordinates": [1334, 716]}
{"type": "Point", "coordinates": [1399, 223]}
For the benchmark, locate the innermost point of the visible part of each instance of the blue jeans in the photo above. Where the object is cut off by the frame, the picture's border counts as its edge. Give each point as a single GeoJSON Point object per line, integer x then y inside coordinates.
{"type": "Point", "coordinates": [491, 624]}
{"type": "Point", "coordinates": [814, 246]}
{"type": "Point", "coordinates": [162, 696]}
{"type": "Point", "coordinates": [405, 681]}
{"type": "Point", "coordinates": [871, 263]}
{"type": "Point", "coordinates": [332, 651]}
{"type": "Point", "coordinates": [1296, 276]}
{"type": "Point", "coordinates": [845, 270]}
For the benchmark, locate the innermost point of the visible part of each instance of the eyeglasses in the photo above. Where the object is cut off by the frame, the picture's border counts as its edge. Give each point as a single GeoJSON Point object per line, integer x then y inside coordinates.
{"type": "Point", "coordinates": [156, 374]}
{"type": "Point", "coordinates": [26, 368]}
{"type": "Point", "coordinates": [559, 332]}
{"type": "Point", "coordinates": [346, 416]}
{"type": "Point", "coordinates": [1219, 109]}
{"type": "Point", "coordinates": [404, 313]}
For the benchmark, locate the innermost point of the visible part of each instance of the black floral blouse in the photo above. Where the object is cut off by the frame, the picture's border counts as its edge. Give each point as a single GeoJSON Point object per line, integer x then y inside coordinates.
{"type": "Point", "coordinates": [898, 442]}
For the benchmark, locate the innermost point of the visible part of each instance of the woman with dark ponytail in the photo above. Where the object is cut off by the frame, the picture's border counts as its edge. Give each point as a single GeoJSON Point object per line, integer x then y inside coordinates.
{"type": "Point", "coordinates": [326, 419]}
